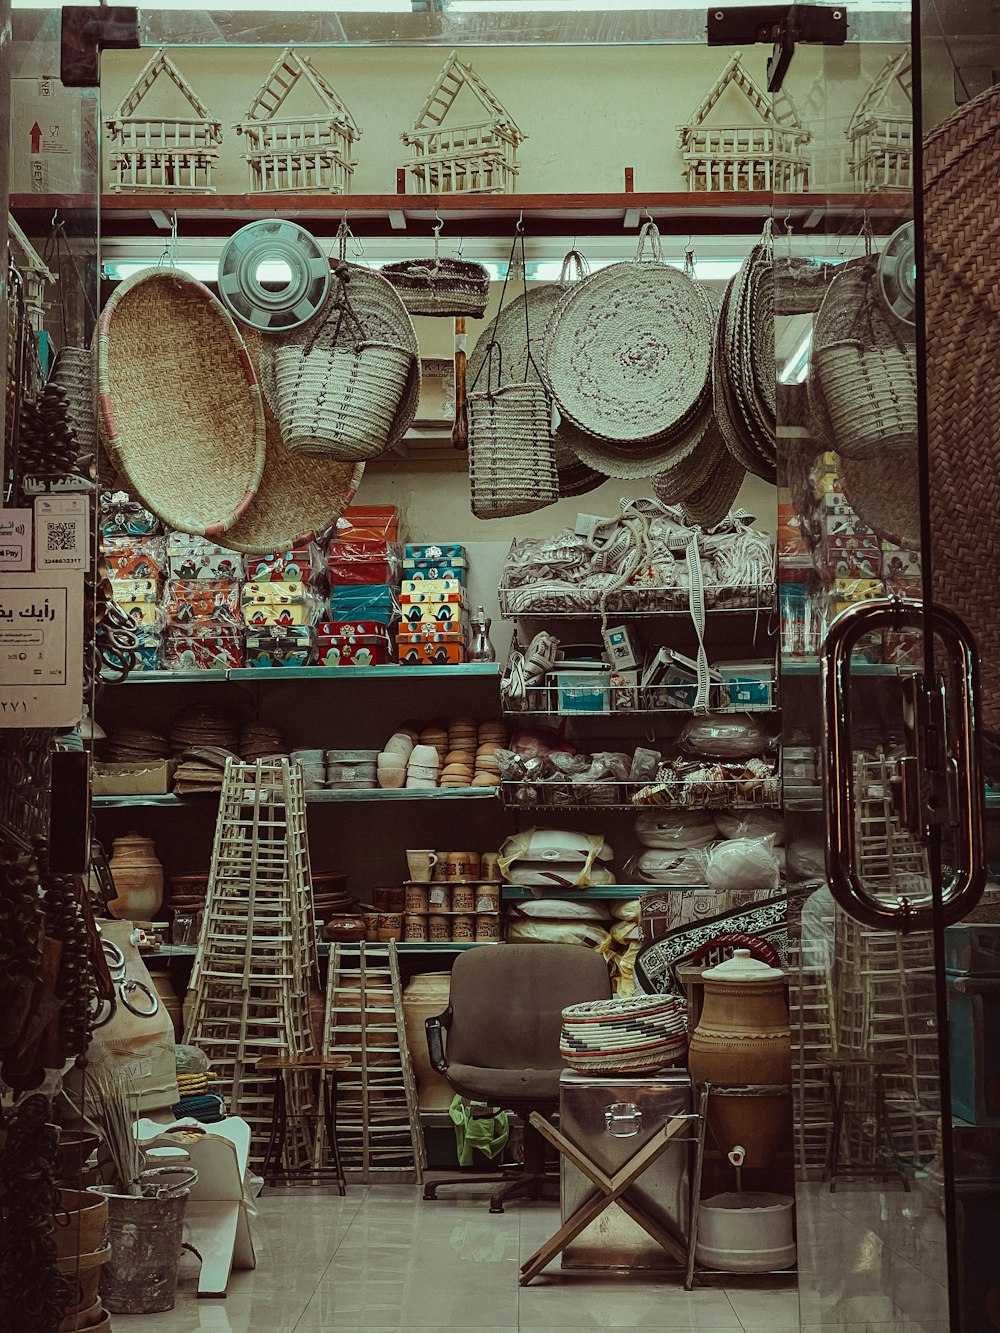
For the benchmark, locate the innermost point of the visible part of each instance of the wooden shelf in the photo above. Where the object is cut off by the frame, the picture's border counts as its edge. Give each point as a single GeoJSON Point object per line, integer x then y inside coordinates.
{"type": "Point", "coordinates": [676, 212]}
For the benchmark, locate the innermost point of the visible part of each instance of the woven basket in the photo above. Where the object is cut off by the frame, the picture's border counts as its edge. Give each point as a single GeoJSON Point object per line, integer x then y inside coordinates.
{"type": "Point", "coordinates": [624, 1035]}
{"type": "Point", "coordinates": [439, 286]}
{"type": "Point", "coordinates": [181, 412]}
{"type": "Point", "coordinates": [512, 466]}
{"type": "Point", "coordinates": [340, 401]}
{"type": "Point", "coordinates": [865, 367]}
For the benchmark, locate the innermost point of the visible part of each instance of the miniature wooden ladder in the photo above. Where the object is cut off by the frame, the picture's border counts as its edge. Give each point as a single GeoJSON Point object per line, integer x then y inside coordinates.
{"type": "Point", "coordinates": [378, 1119]}
{"type": "Point", "coordinates": [256, 956]}
{"type": "Point", "coordinates": [279, 83]}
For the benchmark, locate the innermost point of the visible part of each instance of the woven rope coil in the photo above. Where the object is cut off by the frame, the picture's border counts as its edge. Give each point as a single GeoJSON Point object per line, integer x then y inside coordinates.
{"type": "Point", "coordinates": [623, 1035]}
{"type": "Point", "coordinates": [439, 286]}
{"type": "Point", "coordinates": [181, 412]}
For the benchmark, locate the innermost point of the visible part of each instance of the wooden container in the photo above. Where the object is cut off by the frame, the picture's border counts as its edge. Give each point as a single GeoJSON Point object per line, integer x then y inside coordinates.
{"type": "Point", "coordinates": [743, 1037]}
{"type": "Point", "coordinates": [138, 878]}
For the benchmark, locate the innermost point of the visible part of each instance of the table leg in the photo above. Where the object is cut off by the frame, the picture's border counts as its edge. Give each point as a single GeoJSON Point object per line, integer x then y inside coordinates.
{"type": "Point", "coordinates": [329, 1079]}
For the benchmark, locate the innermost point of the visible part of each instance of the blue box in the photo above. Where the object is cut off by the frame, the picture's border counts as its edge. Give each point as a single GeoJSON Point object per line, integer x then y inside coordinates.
{"type": "Point", "coordinates": [582, 691]}
{"type": "Point", "coordinates": [436, 553]}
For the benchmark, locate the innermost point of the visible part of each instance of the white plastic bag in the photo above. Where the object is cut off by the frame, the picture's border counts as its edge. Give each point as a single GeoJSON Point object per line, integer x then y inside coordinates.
{"type": "Point", "coordinates": [751, 824]}
{"type": "Point", "coordinates": [675, 829]}
{"type": "Point", "coordinates": [744, 864]}
{"type": "Point", "coordinates": [659, 865]}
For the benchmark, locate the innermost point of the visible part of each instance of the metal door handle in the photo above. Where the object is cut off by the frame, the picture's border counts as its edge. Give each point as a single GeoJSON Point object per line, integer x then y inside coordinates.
{"type": "Point", "coordinates": [924, 786]}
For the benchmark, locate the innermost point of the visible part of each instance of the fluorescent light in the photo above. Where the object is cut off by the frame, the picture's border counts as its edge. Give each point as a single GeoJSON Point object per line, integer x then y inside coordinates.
{"type": "Point", "coordinates": [267, 6]}
{"type": "Point", "coordinates": [796, 368]}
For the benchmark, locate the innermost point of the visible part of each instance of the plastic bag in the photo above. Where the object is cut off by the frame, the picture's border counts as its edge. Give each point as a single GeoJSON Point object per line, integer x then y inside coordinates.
{"type": "Point", "coordinates": [659, 865]}
{"type": "Point", "coordinates": [556, 932]}
{"type": "Point", "coordinates": [751, 824]}
{"type": "Point", "coordinates": [562, 909]}
{"type": "Point", "coordinates": [724, 736]}
{"type": "Point", "coordinates": [743, 864]}
{"type": "Point", "coordinates": [556, 858]}
{"type": "Point", "coordinates": [675, 828]}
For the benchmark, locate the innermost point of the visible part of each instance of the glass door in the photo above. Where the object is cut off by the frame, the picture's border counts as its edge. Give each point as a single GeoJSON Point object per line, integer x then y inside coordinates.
{"type": "Point", "coordinates": [881, 721]}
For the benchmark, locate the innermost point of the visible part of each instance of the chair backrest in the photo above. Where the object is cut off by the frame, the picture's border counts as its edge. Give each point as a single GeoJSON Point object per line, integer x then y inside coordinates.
{"type": "Point", "coordinates": [507, 1002]}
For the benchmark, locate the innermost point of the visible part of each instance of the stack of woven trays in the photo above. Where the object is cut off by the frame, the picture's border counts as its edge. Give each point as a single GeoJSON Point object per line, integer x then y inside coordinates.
{"type": "Point", "coordinates": [624, 1036]}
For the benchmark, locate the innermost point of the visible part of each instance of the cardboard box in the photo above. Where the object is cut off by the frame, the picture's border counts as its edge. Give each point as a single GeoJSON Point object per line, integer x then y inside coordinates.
{"type": "Point", "coordinates": [149, 778]}
{"type": "Point", "coordinates": [431, 654]}
{"type": "Point", "coordinates": [279, 646]}
{"type": "Point", "coordinates": [436, 553]}
{"type": "Point", "coordinates": [54, 136]}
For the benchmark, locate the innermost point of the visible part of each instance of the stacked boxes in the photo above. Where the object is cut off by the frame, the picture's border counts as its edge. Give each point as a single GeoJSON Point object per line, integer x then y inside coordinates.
{"type": "Point", "coordinates": [136, 557]}
{"type": "Point", "coordinates": [363, 566]}
{"type": "Point", "coordinates": [280, 603]}
{"type": "Point", "coordinates": [434, 624]}
{"type": "Point", "coordinates": [201, 607]}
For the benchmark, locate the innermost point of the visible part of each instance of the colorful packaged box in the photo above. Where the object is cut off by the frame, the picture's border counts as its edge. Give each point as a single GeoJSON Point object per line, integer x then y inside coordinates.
{"type": "Point", "coordinates": [444, 652]}
{"type": "Point", "coordinates": [852, 556]}
{"type": "Point", "coordinates": [353, 643]}
{"type": "Point", "coordinates": [136, 590]}
{"type": "Point", "coordinates": [190, 557]}
{"type": "Point", "coordinates": [302, 564]}
{"type": "Point", "coordinates": [279, 646]}
{"type": "Point", "coordinates": [436, 553]}
{"type": "Point", "coordinates": [121, 516]}
{"type": "Point", "coordinates": [141, 613]}
{"type": "Point", "coordinates": [364, 602]}
{"type": "Point", "coordinates": [363, 562]}
{"type": "Point", "coordinates": [433, 633]}
{"type": "Point", "coordinates": [217, 601]}
{"type": "Point", "coordinates": [580, 691]}
{"type": "Point", "coordinates": [368, 523]}
{"type": "Point", "coordinates": [746, 685]}
{"type": "Point", "coordinates": [135, 557]}
{"type": "Point", "coordinates": [203, 649]}
{"type": "Point", "coordinates": [416, 571]}
{"type": "Point", "coordinates": [147, 653]}
{"type": "Point", "coordinates": [433, 613]}
{"type": "Point", "coordinates": [432, 590]}
{"type": "Point", "coordinates": [624, 690]}
{"type": "Point", "coordinates": [277, 594]}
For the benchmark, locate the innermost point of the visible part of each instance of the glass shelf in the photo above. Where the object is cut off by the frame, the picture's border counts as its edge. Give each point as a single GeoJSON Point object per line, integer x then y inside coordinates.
{"type": "Point", "coordinates": [390, 671]}
{"type": "Point", "coordinates": [323, 949]}
{"type": "Point", "coordinates": [312, 797]}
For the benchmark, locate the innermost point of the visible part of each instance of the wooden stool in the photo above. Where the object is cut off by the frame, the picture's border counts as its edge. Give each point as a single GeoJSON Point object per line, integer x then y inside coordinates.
{"type": "Point", "coordinates": [613, 1189]}
{"type": "Point", "coordinates": [328, 1067]}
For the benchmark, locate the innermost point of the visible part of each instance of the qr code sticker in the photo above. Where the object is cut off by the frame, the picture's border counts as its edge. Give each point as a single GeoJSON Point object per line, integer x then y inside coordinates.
{"type": "Point", "coordinates": [60, 536]}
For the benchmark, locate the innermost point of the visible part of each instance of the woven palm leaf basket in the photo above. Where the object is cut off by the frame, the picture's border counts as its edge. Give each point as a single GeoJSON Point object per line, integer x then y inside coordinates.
{"type": "Point", "coordinates": [624, 1036]}
{"type": "Point", "coordinates": [512, 465]}
{"type": "Point", "coordinates": [181, 412]}
{"type": "Point", "coordinates": [962, 294]}
{"type": "Point", "coordinates": [338, 395]}
{"type": "Point", "coordinates": [439, 286]}
{"type": "Point", "coordinates": [866, 367]}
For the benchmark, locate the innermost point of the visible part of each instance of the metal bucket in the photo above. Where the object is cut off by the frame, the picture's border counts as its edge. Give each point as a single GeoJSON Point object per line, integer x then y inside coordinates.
{"type": "Point", "coordinates": [145, 1231]}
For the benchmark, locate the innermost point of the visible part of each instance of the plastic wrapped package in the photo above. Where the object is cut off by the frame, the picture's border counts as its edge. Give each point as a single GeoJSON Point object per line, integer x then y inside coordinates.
{"type": "Point", "coordinates": [190, 557]}
{"type": "Point", "coordinates": [139, 599]}
{"type": "Point", "coordinates": [724, 736]}
{"type": "Point", "coordinates": [368, 523]}
{"type": "Point", "coordinates": [626, 909]}
{"type": "Point", "coordinates": [202, 648]}
{"type": "Point", "coordinates": [281, 604]}
{"type": "Point", "coordinates": [353, 643]}
{"type": "Point", "coordinates": [675, 828]}
{"type": "Point", "coordinates": [121, 516]}
{"type": "Point", "coordinates": [805, 861]}
{"type": "Point", "coordinates": [556, 932]}
{"type": "Point", "coordinates": [363, 601]}
{"type": "Point", "coordinates": [751, 824]}
{"type": "Point", "coordinates": [131, 558]}
{"type": "Point", "coordinates": [212, 601]}
{"type": "Point", "coordinates": [364, 562]}
{"type": "Point", "coordinates": [556, 859]}
{"type": "Point", "coordinates": [743, 864]}
{"type": "Point", "coordinates": [644, 764]}
{"type": "Point", "coordinates": [562, 909]}
{"type": "Point", "coordinates": [658, 865]}
{"type": "Point", "coordinates": [302, 564]}
{"type": "Point", "coordinates": [279, 645]}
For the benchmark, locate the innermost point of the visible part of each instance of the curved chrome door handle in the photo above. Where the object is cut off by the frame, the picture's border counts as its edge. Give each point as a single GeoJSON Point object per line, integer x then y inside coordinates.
{"type": "Point", "coordinates": [911, 911]}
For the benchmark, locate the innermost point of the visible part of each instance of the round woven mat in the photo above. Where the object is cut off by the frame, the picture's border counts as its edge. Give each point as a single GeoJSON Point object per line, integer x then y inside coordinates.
{"type": "Point", "coordinates": [884, 492]}
{"type": "Point", "coordinates": [300, 495]}
{"type": "Point", "coordinates": [962, 293]}
{"type": "Point", "coordinates": [180, 406]}
{"type": "Point", "coordinates": [526, 315]}
{"type": "Point", "coordinates": [383, 317]}
{"type": "Point", "coordinates": [628, 353]}
{"type": "Point", "coordinates": [629, 463]}
{"type": "Point", "coordinates": [712, 501]}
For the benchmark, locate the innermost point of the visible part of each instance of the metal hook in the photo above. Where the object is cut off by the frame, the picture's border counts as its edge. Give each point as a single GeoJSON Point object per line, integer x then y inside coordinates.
{"type": "Point", "coordinates": [438, 222]}
{"type": "Point", "coordinates": [520, 223]}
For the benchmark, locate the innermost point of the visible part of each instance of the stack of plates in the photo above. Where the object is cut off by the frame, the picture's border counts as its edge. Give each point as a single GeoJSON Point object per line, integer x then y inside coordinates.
{"type": "Point", "coordinates": [204, 725]}
{"type": "Point", "coordinates": [624, 1036]}
{"type": "Point", "coordinates": [313, 763]}
{"type": "Point", "coordinates": [201, 769]}
{"type": "Point", "coordinates": [744, 367]}
{"type": "Point", "coordinates": [134, 745]}
{"type": "Point", "coordinates": [330, 896]}
{"type": "Point", "coordinates": [350, 770]}
{"type": "Point", "coordinates": [186, 893]}
{"type": "Point", "coordinates": [258, 741]}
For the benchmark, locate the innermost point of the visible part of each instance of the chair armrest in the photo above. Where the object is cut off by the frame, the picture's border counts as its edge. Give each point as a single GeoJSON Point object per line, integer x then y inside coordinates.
{"type": "Point", "coordinates": [436, 1028]}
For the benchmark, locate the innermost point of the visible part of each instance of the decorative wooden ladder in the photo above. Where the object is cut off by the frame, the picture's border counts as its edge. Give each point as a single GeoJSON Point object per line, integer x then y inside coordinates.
{"type": "Point", "coordinates": [378, 1119]}
{"type": "Point", "coordinates": [256, 956]}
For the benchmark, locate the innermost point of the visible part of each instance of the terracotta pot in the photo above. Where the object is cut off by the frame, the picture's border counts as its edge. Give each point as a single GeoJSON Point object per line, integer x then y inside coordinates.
{"type": "Point", "coordinates": [348, 928]}
{"type": "Point", "coordinates": [171, 1001]}
{"type": "Point", "coordinates": [88, 1283]}
{"type": "Point", "coordinates": [80, 1223]}
{"type": "Point", "coordinates": [138, 878]}
{"type": "Point", "coordinates": [743, 1036]}
{"type": "Point", "coordinates": [75, 1146]}
{"type": "Point", "coordinates": [425, 997]}
{"type": "Point", "coordinates": [87, 1317]}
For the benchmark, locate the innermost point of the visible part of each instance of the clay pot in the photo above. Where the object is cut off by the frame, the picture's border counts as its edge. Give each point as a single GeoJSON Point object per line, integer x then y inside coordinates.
{"type": "Point", "coordinates": [171, 1001]}
{"type": "Point", "coordinates": [138, 878]}
{"type": "Point", "coordinates": [743, 1036]}
{"type": "Point", "coordinates": [75, 1146]}
{"type": "Point", "coordinates": [425, 997]}
{"type": "Point", "coordinates": [80, 1223]}
{"type": "Point", "coordinates": [350, 928]}
{"type": "Point", "coordinates": [86, 1317]}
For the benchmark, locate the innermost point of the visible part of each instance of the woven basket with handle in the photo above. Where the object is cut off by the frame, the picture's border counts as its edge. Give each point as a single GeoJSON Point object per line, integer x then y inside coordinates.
{"type": "Point", "coordinates": [441, 286]}
{"type": "Point", "coordinates": [512, 465]}
{"type": "Point", "coordinates": [338, 395]}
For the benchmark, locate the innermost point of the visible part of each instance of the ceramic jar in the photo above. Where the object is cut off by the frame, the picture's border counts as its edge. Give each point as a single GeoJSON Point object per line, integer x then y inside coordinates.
{"type": "Point", "coordinates": [743, 1037]}
{"type": "Point", "coordinates": [425, 997]}
{"type": "Point", "coordinates": [138, 878]}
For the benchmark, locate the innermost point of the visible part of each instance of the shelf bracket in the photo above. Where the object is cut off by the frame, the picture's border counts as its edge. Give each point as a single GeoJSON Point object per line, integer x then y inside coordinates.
{"type": "Point", "coordinates": [780, 25]}
{"type": "Point", "coordinates": [87, 30]}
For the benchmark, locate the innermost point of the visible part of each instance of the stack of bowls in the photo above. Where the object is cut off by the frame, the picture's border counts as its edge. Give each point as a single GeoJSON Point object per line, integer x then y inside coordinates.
{"type": "Point", "coordinates": [351, 770]}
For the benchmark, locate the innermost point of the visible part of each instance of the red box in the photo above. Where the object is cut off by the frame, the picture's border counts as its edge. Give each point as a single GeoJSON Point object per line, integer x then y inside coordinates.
{"type": "Point", "coordinates": [363, 523]}
{"type": "Point", "coordinates": [353, 643]}
{"type": "Point", "coordinates": [363, 562]}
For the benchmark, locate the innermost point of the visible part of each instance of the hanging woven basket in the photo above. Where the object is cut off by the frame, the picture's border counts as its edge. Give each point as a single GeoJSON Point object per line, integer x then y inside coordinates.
{"type": "Point", "coordinates": [338, 395]}
{"type": "Point", "coordinates": [512, 465]}
{"type": "Point", "coordinates": [442, 287]}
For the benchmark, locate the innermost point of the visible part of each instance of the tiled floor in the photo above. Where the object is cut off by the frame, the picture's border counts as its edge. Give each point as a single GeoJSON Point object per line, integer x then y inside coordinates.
{"type": "Point", "coordinates": [381, 1260]}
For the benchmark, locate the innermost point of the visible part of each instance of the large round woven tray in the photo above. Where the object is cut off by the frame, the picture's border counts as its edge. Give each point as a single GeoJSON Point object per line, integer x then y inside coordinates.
{"type": "Point", "coordinates": [299, 495]}
{"type": "Point", "coordinates": [628, 353]}
{"type": "Point", "coordinates": [962, 293]}
{"type": "Point", "coordinates": [380, 310]}
{"type": "Point", "coordinates": [180, 406]}
{"type": "Point", "coordinates": [511, 364]}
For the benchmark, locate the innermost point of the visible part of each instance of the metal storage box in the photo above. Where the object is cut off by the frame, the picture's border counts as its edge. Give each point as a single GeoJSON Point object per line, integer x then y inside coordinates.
{"type": "Point", "coordinates": [614, 1240]}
